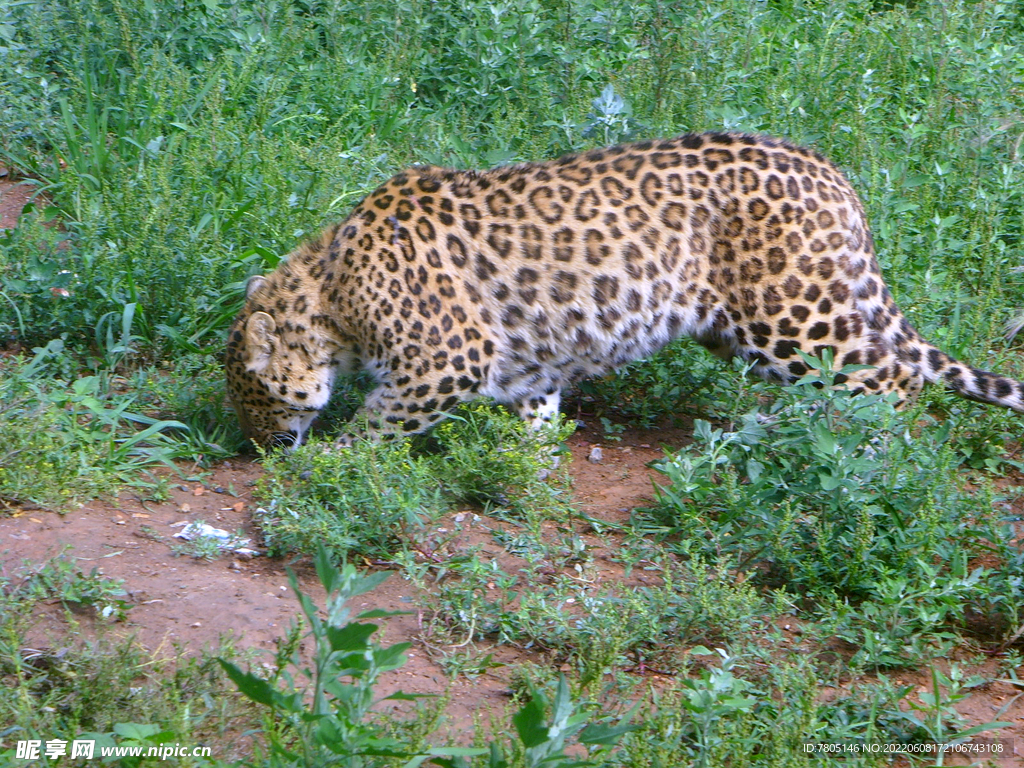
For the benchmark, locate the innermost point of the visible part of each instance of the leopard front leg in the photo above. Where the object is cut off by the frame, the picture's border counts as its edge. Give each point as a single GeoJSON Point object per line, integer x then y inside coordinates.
{"type": "Point", "coordinates": [389, 411]}
{"type": "Point", "coordinates": [540, 411]}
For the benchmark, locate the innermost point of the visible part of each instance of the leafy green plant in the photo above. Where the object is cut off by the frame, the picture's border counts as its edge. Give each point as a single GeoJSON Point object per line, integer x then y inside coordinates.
{"type": "Point", "coordinates": [471, 597]}
{"type": "Point", "coordinates": [612, 118]}
{"type": "Point", "coordinates": [39, 462]}
{"type": "Point", "coordinates": [911, 617]}
{"type": "Point", "coordinates": [546, 727]}
{"type": "Point", "coordinates": [67, 442]}
{"type": "Point", "coordinates": [326, 721]}
{"type": "Point", "coordinates": [680, 380]}
{"type": "Point", "coordinates": [367, 497]}
{"type": "Point", "coordinates": [467, 664]}
{"type": "Point", "coordinates": [489, 455]}
{"type": "Point", "coordinates": [715, 695]}
{"type": "Point", "coordinates": [88, 418]}
{"type": "Point", "coordinates": [60, 578]}
{"type": "Point", "coordinates": [934, 714]}
{"type": "Point", "coordinates": [832, 496]}
{"type": "Point", "coordinates": [357, 500]}
{"type": "Point", "coordinates": [597, 631]}
{"type": "Point", "coordinates": [114, 336]}
{"type": "Point", "coordinates": [189, 388]}
{"type": "Point", "coordinates": [819, 482]}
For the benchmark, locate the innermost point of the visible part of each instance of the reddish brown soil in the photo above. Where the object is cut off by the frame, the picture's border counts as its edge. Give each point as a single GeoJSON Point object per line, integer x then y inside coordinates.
{"type": "Point", "coordinates": [13, 198]}
{"type": "Point", "coordinates": [192, 604]}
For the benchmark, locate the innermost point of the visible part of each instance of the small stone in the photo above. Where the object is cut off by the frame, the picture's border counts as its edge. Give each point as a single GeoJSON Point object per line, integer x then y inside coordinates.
{"type": "Point", "coordinates": [596, 455]}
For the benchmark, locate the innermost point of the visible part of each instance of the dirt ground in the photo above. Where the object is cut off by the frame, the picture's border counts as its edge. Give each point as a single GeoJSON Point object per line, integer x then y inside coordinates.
{"type": "Point", "coordinates": [13, 198]}
{"type": "Point", "coordinates": [193, 604]}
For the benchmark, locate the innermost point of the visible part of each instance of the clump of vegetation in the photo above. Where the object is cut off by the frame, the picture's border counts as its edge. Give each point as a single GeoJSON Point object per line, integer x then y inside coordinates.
{"type": "Point", "coordinates": [39, 464]}
{"type": "Point", "coordinates": [367, 498]}
{"type": "Point", "coordinates": [835, 498]}
{"type": "Point", "coordinates": [327, 721]}
{"type": "Point", "coordinates": [189, 388]}
{"type": "Point", "coordinates": [352, 501]}
{"type": "Point", "coordinates": [60, 578]}
{"type": "Point", "coordinates": [64, 442]}
{"type": "Point", "coordinates": [490, 455]}
{"type": "Point", "coordinates": [680, 382]}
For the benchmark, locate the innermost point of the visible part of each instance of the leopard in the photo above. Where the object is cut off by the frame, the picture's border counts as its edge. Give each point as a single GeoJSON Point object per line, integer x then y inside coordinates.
{"type": "Point", "coordinates": [517, 282]}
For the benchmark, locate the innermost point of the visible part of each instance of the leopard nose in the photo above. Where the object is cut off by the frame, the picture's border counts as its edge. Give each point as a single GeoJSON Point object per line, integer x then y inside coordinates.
{"type": "Point", "coordinates": [283, 440]}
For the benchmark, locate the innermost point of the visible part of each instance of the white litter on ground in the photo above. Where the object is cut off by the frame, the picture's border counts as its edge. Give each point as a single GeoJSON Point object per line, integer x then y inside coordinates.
{"type": "Point", "coordinates": [225, 540]}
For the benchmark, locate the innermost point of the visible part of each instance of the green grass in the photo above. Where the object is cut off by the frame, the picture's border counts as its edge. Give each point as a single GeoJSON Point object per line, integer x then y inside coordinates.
{"type": "Point", "coordinates": [185, 150]}
{"type": "Point", "coordinates": [70, 439]}
{"type": "Point", "coordinates": [375, 498]}
{"type": "Point", "coordinates": [62, 691]}
{"type": "Point", "coordinates": [179, 148]}
{"type": "Point", "coordinates": [866, 524]}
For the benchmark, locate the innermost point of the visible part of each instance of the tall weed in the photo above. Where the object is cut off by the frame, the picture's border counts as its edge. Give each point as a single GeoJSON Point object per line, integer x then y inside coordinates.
{"type": "Point", "coordinates": [840, 499]}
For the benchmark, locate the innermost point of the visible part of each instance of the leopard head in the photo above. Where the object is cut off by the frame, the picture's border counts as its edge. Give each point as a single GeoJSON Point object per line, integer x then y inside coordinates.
{"type": "Point", "coordinates": [279, 372]}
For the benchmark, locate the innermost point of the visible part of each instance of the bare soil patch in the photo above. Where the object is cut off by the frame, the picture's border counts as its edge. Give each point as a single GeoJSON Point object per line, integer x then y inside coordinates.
{"type": "Point", "coordinates": [181, 602]}
{"type": "Point", "coordinates": [13, 198]}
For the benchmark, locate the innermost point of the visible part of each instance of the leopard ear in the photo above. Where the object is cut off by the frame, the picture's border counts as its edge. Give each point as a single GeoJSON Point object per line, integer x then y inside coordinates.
{"type": "Point", "coordinates": [254, 284]}
{"type": "Point", "coordinates": [259, 337]}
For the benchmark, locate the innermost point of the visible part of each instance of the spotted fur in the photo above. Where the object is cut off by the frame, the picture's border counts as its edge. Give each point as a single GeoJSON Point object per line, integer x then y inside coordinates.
{"type": "Point", "coordinates": [518, 281]}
